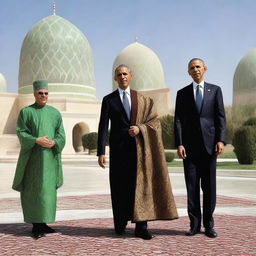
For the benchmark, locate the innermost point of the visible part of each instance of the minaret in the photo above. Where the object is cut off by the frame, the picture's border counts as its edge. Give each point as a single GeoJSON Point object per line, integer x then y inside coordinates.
{"type": "Point", "coordinates": [54, 8]}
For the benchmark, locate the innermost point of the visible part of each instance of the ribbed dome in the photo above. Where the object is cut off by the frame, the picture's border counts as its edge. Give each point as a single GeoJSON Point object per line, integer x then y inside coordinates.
{"type": "Point", "coordinates": [245, 74]}
{"type": "Point", "coordinates": [3, 85]}
{"type": "Point", "coordinates": [57, 51]}
{"type": "Point", "coordinates": [244, 83]}
{"type": "Point", "coordinates": [145, 66]}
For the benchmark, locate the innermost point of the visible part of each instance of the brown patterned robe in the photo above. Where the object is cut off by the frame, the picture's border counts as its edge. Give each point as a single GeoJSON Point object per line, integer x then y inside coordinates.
{"type": "Point", "coordinates": [153, 193]}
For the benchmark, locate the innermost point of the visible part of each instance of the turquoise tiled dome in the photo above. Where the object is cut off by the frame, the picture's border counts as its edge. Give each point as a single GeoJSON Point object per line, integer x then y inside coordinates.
{"type": "Point", "coordinates": [57, 51]}
{"type": "Point", "coordinates": [146, 67]}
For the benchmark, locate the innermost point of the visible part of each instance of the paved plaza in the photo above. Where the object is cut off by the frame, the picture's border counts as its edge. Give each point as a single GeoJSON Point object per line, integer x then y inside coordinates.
{"type": "Point", "coordinates": [84, 218]}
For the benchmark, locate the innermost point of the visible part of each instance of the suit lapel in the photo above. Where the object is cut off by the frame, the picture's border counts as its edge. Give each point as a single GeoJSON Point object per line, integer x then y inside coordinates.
{"type": "Point", "coordinates": [191, 98]}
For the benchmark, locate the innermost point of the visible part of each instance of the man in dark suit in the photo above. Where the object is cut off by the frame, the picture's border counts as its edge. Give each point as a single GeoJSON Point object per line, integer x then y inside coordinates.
{"type": "Point", "coordinates": [200, 137]}
{"type": "Point", "coordinates": [138, 191]}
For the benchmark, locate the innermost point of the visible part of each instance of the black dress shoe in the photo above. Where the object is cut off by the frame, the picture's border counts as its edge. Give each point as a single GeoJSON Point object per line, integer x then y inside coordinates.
{"type": "Point", "coordinates": [143, 233]}
{"type": "Point", "coordinates": [210, 232]}
{"type": "Point", "coordinates": [120, 228]}
{"type": "Point", "coordinates": [36, 233]}
{"type": "Point", "coordinates": [47, 229]}
{"type": "Point", "coordinates": [192, 232]}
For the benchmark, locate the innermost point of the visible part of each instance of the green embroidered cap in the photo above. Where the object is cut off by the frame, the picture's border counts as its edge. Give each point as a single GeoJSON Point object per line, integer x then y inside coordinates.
{"type": "Point", "coordinates": [40, 84]}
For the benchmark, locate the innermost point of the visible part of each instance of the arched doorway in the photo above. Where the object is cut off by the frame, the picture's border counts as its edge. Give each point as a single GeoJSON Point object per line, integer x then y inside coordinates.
{"type": "Point", "coordinates": [78, 131]}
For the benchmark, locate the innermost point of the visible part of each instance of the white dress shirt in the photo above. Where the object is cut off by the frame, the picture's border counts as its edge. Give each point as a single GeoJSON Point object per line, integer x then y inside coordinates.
{"type": "Point", "coordinates": [201, 87]}
{"type": "Point", "coordinates": [128, 94]}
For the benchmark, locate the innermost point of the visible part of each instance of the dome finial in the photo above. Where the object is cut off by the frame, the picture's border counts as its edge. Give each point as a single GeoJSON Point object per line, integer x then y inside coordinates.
{"type": "Point", "coordinates": [136, 40]}
{"type": "Point", "coordinates": [54, 8]}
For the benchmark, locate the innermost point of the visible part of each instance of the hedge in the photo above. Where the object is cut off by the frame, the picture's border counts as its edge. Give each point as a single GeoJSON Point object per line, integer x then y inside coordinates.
{"type": "Point", "coordinates": [244, 142]}
{"type": "Point", "coordinates": [169, 156]}
{"type": "Point", "coordinates": [167, 131]}
{"type": "Point", "coordinates": [90, 141]}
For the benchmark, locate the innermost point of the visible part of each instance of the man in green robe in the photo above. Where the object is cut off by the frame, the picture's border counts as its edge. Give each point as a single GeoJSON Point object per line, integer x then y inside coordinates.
{"type": "Point", "coordinates": [39, 171]}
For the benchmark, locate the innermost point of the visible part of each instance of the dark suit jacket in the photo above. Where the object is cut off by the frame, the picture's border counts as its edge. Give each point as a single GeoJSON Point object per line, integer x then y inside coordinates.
{"type": "Point", "coordinates": [112, 109]}
{"type": "Point", "coordinates": [192, 127]}
{"type": "Point", "coordinates": [122, 153]}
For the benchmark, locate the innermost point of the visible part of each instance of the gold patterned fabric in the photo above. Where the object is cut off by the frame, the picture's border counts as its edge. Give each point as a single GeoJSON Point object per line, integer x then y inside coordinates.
{"type": "Point", "coordinates": [153, 194]}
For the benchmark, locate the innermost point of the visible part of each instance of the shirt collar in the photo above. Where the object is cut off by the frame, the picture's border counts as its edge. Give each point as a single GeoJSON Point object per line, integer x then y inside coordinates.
{"type": "Point", "coordinates": [201, 84]}
{"type": "Point", "coordinates": [128, 90]}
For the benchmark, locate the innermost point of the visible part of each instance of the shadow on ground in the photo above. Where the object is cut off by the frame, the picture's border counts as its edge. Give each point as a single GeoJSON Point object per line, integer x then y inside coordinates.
{"type": "Point", "coordinates": [23, 229]}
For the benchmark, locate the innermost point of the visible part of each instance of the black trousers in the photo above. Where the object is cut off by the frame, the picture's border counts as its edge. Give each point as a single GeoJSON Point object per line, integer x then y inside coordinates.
{"type": "Point", "coordinates": [200, 170]}
{"type": "Point", "coordinates": [123, 165]}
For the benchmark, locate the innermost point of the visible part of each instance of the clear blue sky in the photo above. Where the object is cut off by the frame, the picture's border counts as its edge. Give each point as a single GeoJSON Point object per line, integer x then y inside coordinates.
{"type": "Point", "coordinates": [219, 31]}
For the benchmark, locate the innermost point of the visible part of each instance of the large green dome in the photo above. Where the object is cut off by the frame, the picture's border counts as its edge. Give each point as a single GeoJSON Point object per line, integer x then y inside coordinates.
{"type": "Point", "coordinates": [245, 74]}
{"type": "Point", "coordinates": [146, 67]}
{"type": "Point", "coordinates": [244, 83]}
{"type": "Point", "coordinates": [57, 51]}
{"type": "Point", "coordinates": [244, 87]}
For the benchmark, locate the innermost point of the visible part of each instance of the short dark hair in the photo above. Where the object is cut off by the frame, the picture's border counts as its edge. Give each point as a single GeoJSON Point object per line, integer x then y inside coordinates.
{"type": "Point", "coordinates": [123, 66]}
{"type": "Point", "coordinates": [196, 59]}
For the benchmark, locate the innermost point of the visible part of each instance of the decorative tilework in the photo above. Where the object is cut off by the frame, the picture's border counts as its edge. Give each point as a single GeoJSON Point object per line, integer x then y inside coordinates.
{"type": "Point", "coordinates": [57, 51]}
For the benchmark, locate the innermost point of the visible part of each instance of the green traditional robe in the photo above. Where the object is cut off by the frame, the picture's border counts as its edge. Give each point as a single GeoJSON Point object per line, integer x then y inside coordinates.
{"type": "Point", "coordinates": [39, 171]}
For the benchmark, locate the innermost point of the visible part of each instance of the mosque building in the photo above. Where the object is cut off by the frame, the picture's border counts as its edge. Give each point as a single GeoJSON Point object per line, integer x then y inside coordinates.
{"type": "Point", "coordinates": [244, 88]}
{"type": "Point", "coordinates": [57, 51]}
{"type": "Point", "coordinates": [148, 75]}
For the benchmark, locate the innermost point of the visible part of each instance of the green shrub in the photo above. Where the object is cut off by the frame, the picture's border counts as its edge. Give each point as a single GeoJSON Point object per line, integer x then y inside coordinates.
{"type": "Point", "coordinates": [167, 131]}
{"type": "Point", "coordinates": [229, 132]}
{"type": "Point", "coordinates": [241, 113]}
{"type": "Point", "coordinates": [250, 122]}
{"type": "Point", "coordinates": [90, 141]}
{"type": "Point", "coordinates": [169, 156]}
{"type": "Point", "coordinates": [230, 127]}
{"type": "Point", "coordinates": [244, 142]}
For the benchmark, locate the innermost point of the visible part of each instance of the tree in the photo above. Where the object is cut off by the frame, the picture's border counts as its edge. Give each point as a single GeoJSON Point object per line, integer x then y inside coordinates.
{"type": "Point", "coordinates": [167, 131]}
{"type": "Point", "coordinates": [90, 141]}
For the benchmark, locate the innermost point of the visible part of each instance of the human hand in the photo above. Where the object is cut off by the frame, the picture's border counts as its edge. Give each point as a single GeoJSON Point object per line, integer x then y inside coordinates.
{"type": "Point", "coordinates": [102, 161]}
{"type": "Point", "coordinates": [52, 143]}
{"type": "Point", "coordinates": [219, 148]}
{"type": "Point", "coordinates": [133, 131]}
{"type": "Point", "coordinates": [45, 142]}
{"type": "Point", "coordinates": [181, 152]}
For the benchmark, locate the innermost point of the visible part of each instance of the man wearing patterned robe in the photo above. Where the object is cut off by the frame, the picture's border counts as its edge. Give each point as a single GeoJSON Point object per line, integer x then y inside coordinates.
{"type": "Point", "coordinates": [139, 181]}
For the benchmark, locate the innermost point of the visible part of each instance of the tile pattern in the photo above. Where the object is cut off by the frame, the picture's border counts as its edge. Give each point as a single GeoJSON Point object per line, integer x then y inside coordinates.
{"type": "Point", "coordinates": [55, 50]}
{"type": "Point", "coordinates": [99, 202]}
{"type": "Point", "coordinates": [236, 234]}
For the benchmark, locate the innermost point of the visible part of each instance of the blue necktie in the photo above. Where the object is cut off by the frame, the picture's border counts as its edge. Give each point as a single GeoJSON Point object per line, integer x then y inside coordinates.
{"type": "Point", "coordinates": [126, 105]}
{"type": "Point", "coordinates": [199, 98]}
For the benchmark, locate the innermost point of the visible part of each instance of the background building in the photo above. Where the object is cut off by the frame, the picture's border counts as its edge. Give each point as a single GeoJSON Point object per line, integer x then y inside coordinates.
{"type": "Point", "coordinates": [57, 51]}
{"type": "Point", "coordinates": [148, 75]}
{"type": "Point", "coordinates": [244, 88]}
